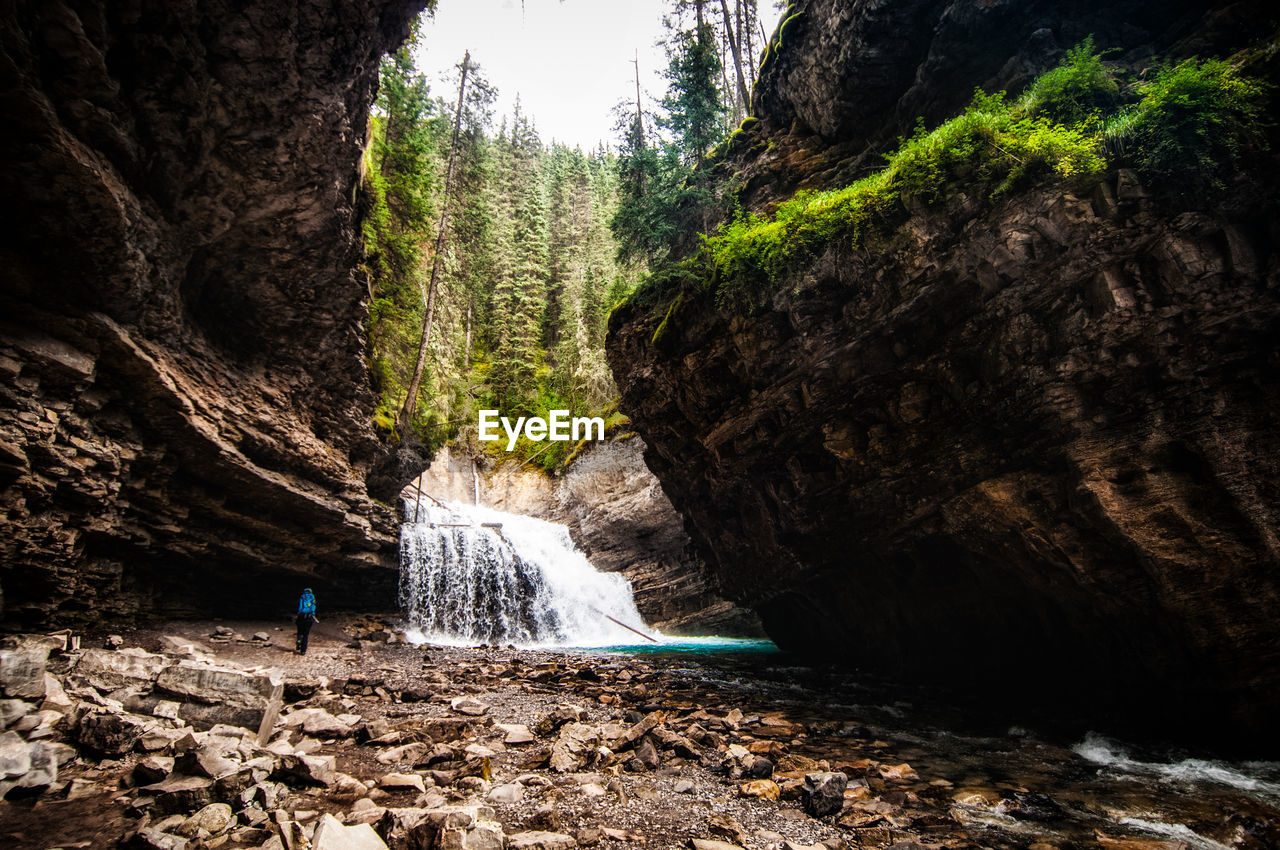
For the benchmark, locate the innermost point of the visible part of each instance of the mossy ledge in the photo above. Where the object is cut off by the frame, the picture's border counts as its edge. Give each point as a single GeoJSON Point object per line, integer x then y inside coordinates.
{"type": "Point", "coordinates": [1182, 129]}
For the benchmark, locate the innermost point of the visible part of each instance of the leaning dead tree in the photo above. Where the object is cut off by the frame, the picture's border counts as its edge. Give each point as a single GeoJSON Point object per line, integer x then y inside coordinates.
{"type": "Point", "coordinates": [411, 397]}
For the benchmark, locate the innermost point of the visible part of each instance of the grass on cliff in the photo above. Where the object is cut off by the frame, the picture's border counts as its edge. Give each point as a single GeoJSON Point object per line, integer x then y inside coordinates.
{"type": "Point", "coordinates": [1183, 131]}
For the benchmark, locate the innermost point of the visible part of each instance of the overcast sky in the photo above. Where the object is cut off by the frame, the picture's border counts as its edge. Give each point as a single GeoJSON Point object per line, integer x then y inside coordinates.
{"type": "Point", "coordinates": [569, 61]}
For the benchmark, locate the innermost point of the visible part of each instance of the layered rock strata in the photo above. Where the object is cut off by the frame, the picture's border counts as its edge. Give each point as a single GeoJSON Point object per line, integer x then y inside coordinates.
{"type": "Point", "coordinates": [1026, 448]}
{"type": "Point", "coordinates": [185, 424]}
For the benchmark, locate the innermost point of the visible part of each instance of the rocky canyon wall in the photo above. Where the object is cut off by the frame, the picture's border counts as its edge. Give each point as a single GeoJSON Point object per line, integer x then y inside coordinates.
{"type": "Point", "coordinates": [1028, 448]}
{"type": "Point", "coordinates": [618, 516]}
{"type": "Point", "coordinates": [186, 409]}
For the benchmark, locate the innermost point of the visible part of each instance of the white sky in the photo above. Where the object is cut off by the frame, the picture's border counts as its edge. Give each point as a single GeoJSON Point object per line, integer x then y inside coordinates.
{"type": "Point", "coordinates": [569, 61]}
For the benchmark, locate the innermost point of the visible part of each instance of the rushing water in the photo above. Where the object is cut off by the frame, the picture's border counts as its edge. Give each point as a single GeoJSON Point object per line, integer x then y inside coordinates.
{"type": "Point", "coordinates": [1011, 783]}
{"type": "Point", "coordinates": [473, 575]}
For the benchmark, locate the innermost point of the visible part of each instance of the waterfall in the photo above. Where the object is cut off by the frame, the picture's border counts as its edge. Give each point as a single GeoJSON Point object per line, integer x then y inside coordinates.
{"type": "Point", "coordinates": [471, 575]}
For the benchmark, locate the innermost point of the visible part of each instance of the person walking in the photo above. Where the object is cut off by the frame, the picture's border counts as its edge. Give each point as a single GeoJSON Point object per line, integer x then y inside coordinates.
{"type": "Point", "coordinates": [306, 619]}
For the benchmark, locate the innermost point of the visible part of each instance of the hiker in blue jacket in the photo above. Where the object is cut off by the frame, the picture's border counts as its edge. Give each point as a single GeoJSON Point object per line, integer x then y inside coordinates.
{"type": "Point", "coordinates": [306, 619]}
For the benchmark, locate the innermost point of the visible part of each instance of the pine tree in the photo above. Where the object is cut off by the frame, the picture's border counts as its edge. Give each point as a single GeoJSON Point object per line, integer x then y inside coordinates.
{"type": "Point", "coordinates": [398, 197]}
{"type": "Point", "coordinates": [695, 113]}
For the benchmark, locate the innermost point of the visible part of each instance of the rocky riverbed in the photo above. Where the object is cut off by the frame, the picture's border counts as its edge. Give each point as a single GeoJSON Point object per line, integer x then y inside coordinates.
{"type": "Point", "coordinates": [203, 735]}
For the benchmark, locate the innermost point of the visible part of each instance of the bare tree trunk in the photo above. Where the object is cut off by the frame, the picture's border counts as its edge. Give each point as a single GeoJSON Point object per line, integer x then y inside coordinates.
{"type": "Point", "coordinates": [639, 113]}
{"type": "Point", "coordinates": [731, 100]}
{"type": "Point", "coordinates": [737, 55]}
{"type": "Point", "coordinates": [639, 123]}
{"type": "Point", "coordinates": [466, 357]}
{"type": "Point", "coordinates": [411, 397]}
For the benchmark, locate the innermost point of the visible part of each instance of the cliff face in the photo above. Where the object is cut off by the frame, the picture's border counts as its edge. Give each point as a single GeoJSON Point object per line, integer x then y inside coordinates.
{"type": "Point", "coordinates": [1028, 448]}
{"type": "Point", "coordinates": [186, 409]}
{"type": "Point", "coordinates": [852, 77]}
{"type": "Point", "coordinates": [619, 517]}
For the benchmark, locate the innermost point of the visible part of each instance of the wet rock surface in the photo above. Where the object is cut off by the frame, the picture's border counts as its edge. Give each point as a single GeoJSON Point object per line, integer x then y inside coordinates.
{"type": "Point", "coordinates": [1042, 429]}
{"type": "Point", "coordinates": [184, 404]}
{"type": "Point", "coordinates": [663, 752]}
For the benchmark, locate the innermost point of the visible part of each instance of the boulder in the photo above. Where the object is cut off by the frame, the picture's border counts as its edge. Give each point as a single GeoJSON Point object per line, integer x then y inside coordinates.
{"type": "Point", "coordinates": [558, 716]}
{"type": "Point", "coordinates": [82, 788]}
{"type": "Point", "coordinates": [546, 816]}
{"type": "Point", "coordinates": [55, 696]}
{"type": "Point", "coordinates": [213, 819]}
{"type": "Point", "coordinates": [365, 811]}
{"type": "Point", "coordinates": [647, 753]}
{"type": "Point", "coordinates": [823, 793]}
{"type": "Point", "coordinates": [469, 706]}
{"type": "Point", "coordinates": [15, 758]}
{"type": "Point", "coordinates": [506, 794]}
{"type": "Point", "coordinates": [41, 772]}
{"type": "Point", "coordinates": [764, 789]}
{"type": "Point", "coordinates": [393, 825]}
{"type": "Point", "coordinates": [13, 710]}
{"type": "Point", "coordinates": [515, 733]}
{"type": "Point", "coordinates": [345, 785]}
{"type": "Point", "coordinates": [181, 794]}
{"type": "Point", "coordinates": [207, 760]}
{"type": "Point", "coordinates": [110, 734]}
{"type": "Point", "coordinates": [574, 748]}
{"type": "Point", "coordinates": [110, 671]}
{"type": "Point", "coordinates": [217, 694]}
{"type": "Point", "coordinates": [646, 725]}
{"type": "Point", "coordinates": [248, 782]}
{"type": "Point", "coordinates": [331, 834]}
{"type": "Point", "coordinates": [723, 826]}
{"type": "Point", "coordinates": [402, 782]}
{"type": "Point", "coordinates": [540, 841]}
{"type": "Point", "coordinates": [62, 753]}
{"type": "Point", "coordinates": [308, 770]}
{"type": "Point", "coordinates": [152, 769]}
{"type": "Point", "coordinates": [317, 721]}
{"type": "Point", "coordinates": [898, 773]}
{"type": "Point", "coordinates": [444, 828]}
{"type": "Point", "coordinates": [757, 767]}
{"type": "Point", "coordinates": [707, 844]}
{"type": "Point", "coordinates": [162, 738]}
{"type": "Point", "coordinates": [673, 741]}
{"type": "Point", "coordinates": [22, 666]}
{"type": "Point", "coordinates": [407, 753]}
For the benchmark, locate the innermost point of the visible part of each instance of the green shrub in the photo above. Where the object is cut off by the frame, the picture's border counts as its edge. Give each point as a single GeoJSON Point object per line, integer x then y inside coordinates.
{"type": "Point", "coordinates": [1194, 119]}
{"type": "Point", "coordinates": [1078, 91]}
{"type": "Point", "coordinates": [1189, 128]}
{"type": "Point", "coordinates": [990, 142]}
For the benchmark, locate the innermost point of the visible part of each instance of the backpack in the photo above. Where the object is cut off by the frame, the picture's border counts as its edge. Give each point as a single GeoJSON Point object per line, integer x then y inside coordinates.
{"type": "Point", "coordinates": [307, 604]}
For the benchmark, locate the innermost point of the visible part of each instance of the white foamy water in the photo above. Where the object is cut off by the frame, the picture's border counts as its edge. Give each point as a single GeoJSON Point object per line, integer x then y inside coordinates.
{"type": "Point", "coordinates": [1257, 777]}
{"type": "Point", "coordinates": [1176, 831]}
{"type": "Point", "coordinates": [471, 575]}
